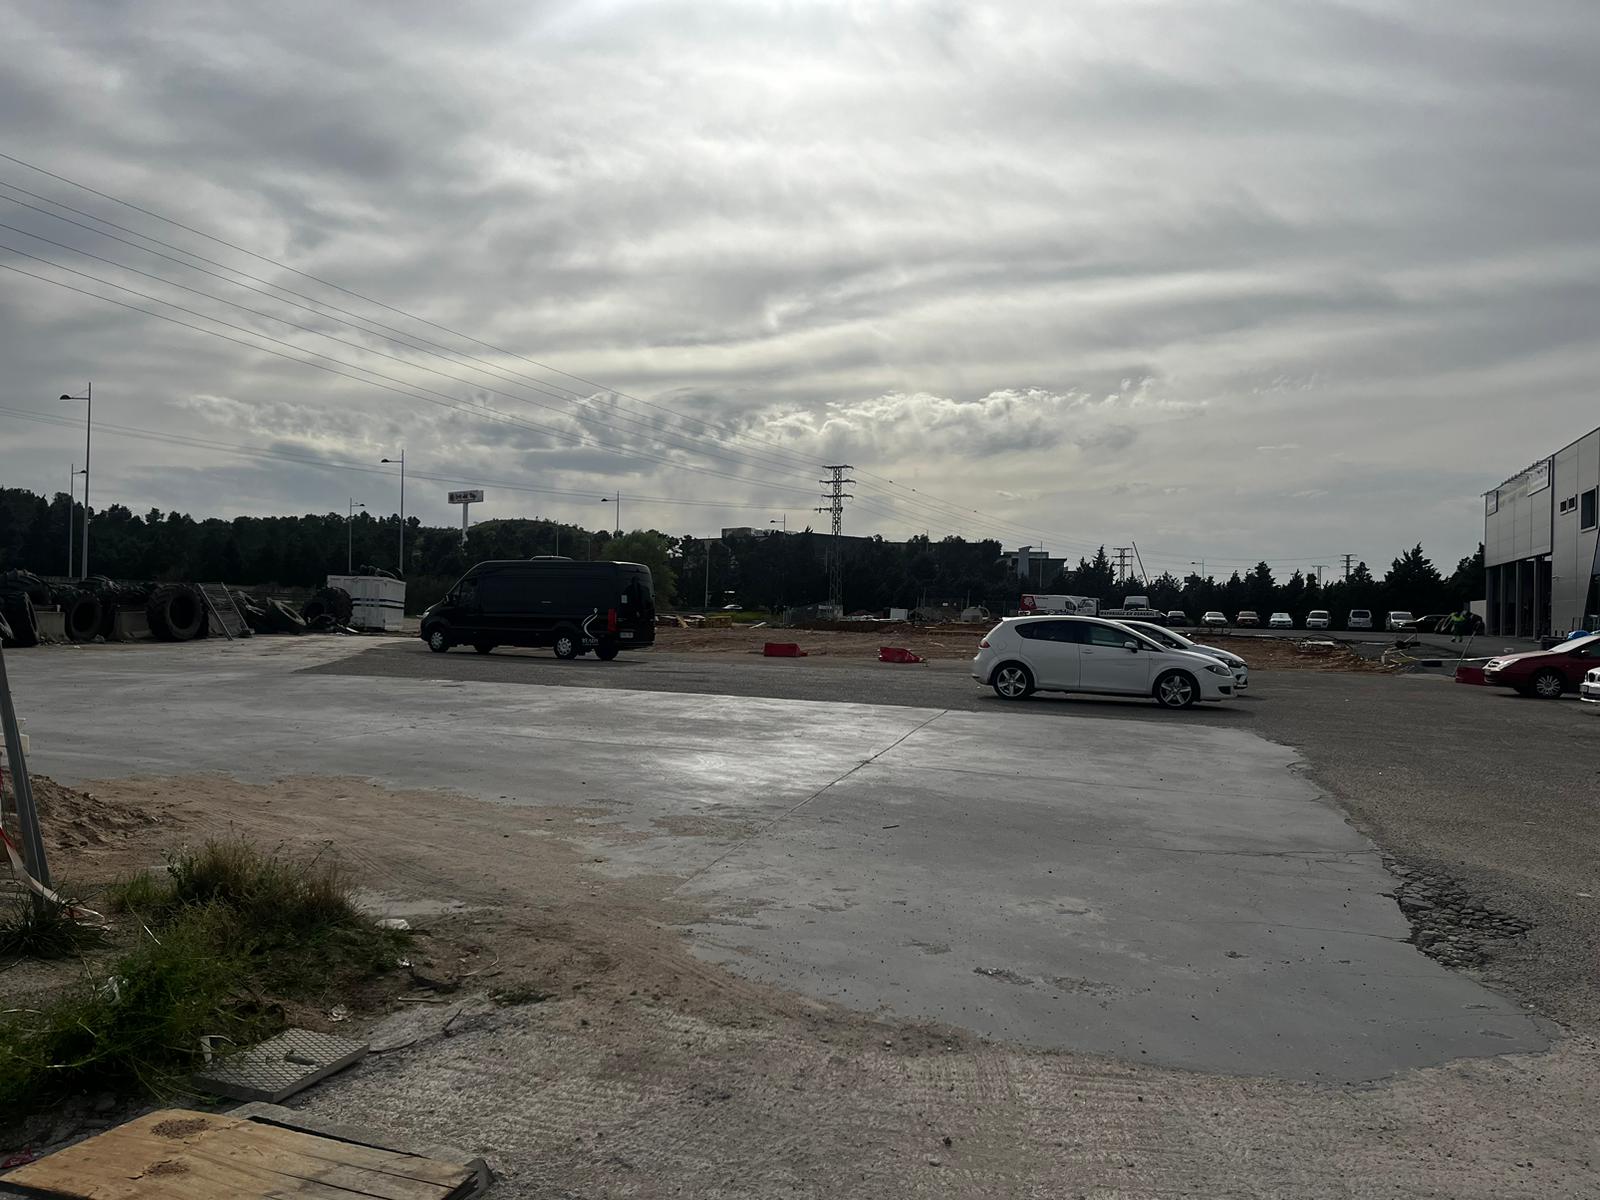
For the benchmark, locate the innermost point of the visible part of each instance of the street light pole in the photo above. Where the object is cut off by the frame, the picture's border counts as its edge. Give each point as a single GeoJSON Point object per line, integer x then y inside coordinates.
{"type": "Point", "coordinates": [774, 521]}
{"type": "Point", "coordinates": [708, 575]}
{"type": "Point", "coordinates": [350, 537]}
{"type": "Point", "coordinates": [88, 436]}
{"type": "Point", "coordinates": [402, 461]}
{"type": "Point", "coordinates": [617, 500]}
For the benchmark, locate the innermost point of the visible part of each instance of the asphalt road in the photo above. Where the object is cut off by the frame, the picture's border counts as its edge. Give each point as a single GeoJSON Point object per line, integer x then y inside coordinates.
{"type": "Point", "coordinates": [1490, 794]}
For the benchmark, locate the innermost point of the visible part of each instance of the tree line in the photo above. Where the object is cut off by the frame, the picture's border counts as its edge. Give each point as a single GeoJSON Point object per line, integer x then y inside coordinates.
{"type": "Point", "coordinates": [771, 572]}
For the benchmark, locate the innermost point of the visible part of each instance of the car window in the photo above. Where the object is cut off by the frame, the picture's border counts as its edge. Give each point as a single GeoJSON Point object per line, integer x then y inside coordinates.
{"type": "Point", "coordinates": [1157, 634]}
{"type": "Point", "coordinates": [1106, 635]}
{"type": "Point", "coordinates": [1046, 631]}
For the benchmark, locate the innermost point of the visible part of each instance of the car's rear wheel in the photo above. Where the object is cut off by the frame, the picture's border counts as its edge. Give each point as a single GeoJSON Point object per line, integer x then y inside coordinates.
{"type": "Point", "coordinates": [566, 644]}
{"type": "Point", "coordinates": [1549, 684]}
{"type": "Point", "coordinates": [483, 647]}
{"type": "Point", "coordinates": [1176, 689]}
{"type": "Point", "coordinates": [1012, 681]}
{"type": "Point", "coordinates": [606, 651]}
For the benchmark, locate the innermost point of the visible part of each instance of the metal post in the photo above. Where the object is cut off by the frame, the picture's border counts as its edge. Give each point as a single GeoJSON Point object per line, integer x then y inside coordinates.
{"type": "Point", "coordinates": [708, 575]}
{"type": "Point", "coordinates": [88, 435]}
{"type": "Point", "coordinates": [27, 816]}
{"type": "Point", "coordinates": [464, 524]}
{"type": "Point", "coordinates": [402, 514]}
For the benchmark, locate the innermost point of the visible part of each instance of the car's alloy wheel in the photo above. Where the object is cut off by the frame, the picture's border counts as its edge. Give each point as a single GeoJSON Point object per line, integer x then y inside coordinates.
{"type": "Point", "coordinates": [1012, 682]}
{"type": "Point", "coordinates": [437, 642]}
{"type": "Point", "coordinates": [1175, 690]}
{"type": "Point", "coordinates": [1548, 685]}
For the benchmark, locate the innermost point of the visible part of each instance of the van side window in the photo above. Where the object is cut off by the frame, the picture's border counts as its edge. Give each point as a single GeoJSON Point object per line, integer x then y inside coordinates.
{"type": "Point", "coordinates": [467, 593]}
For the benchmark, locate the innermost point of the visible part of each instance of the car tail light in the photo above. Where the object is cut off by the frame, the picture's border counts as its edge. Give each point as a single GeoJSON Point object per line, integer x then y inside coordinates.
{"type": "Point", "coordinates": [983, 644]}
{"type": "Point", "coordinates": [611, 620]}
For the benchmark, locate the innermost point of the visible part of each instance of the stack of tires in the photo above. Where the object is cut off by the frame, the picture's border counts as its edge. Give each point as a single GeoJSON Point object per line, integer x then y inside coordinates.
{"type": "Point", "coordinates": [328, 608]}
{"type": "Point", "coordinates": [21, 593]}
{"type": "Point", "coordinates": [176, 612]}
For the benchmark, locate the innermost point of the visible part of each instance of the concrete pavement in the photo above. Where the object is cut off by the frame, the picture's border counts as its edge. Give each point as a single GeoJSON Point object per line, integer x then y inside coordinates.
{"type": "Point", "coordinates": [1177, 896]}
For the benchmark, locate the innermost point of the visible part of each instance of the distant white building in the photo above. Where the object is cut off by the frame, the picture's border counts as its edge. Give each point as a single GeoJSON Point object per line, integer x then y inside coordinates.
{"type": "Point", "coordinates": [1541, 545]}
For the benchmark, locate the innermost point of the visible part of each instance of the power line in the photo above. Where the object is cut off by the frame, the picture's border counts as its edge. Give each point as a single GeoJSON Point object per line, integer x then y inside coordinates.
{"type": "Point", "coordinates": [417, 392]}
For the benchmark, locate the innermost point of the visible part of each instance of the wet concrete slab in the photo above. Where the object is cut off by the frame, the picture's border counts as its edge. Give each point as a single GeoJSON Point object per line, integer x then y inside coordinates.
{"type": "Point", "coordinates": [1177, 895]}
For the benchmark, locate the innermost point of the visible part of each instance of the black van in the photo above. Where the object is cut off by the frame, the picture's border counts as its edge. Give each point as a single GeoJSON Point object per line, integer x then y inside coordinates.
{"type": "Point", "coordinates": [574, 606]}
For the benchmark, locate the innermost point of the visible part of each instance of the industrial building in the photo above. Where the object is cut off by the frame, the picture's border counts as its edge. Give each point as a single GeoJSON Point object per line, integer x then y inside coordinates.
{"type": "Point", "coordinates": [1540, 545]}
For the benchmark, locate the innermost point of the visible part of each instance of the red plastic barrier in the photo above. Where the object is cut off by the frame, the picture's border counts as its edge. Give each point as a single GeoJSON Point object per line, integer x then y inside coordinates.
{"type": "Point", "coordinates": [783, 650]}
{"type": "Point", "coordinates": [897, 654]}
{"type": "Point", "coordinates": [1469, 675]}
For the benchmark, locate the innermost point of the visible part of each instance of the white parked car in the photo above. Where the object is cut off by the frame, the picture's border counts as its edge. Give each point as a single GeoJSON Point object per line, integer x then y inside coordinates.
{"type": "Point", "coordinates": [1023, 655]}
{"type": "Point", "coordinates": [1214, 618]}
{"type": "Point", "coordinates": [1360, 618]}
{"type": "Point", "coordinates": [1176, 641]}
{"type": "Point", "coordinates": [1317, 618]}
{"type": "Point", "coordinates": [1589, 689]}
{"type": "Point", "coordinates": [1400, 619]}
{"type": "Point", "coordinates": [1280, 621]}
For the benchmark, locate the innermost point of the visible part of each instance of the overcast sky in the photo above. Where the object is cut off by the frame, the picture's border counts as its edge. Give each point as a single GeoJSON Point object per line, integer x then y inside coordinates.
{"type": "Point", "coordinates": [1227, 280]}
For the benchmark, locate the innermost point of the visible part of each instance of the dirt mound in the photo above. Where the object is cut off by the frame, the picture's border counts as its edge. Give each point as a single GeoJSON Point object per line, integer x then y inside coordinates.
{"type": "Point", "coordinates": [70, 819]}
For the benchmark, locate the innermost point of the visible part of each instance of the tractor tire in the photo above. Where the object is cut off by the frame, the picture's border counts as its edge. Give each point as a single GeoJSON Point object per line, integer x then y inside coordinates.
{"type": "Point", "coordinates": [83, 617]}
{"type": "Point", "coordinates": [278, 617]}
{"type": "Point", "coordinates": [19, 615]}
{"type": "Point", "coordinates": [332, 602]}
{"type": "Point", "coordinates": [176, 613]}
{"type": "Point", "coordinates": [26, 582]}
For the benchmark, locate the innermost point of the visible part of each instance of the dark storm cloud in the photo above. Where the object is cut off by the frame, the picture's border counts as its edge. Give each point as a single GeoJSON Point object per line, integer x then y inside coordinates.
{"type": "Point", "coordinates": [1071, 264]}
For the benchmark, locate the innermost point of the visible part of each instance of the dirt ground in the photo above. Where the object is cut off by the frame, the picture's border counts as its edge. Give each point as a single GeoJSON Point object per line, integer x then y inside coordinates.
{"type": "Point", "coordinates": [616, 1064]}
{"type": "Point", "coordinates": [947, 642]}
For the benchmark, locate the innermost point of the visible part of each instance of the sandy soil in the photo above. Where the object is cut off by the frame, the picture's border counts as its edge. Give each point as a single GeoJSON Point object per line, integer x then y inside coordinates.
{"type": "Point", "coordinates": [940, 642]}
{"type": "Point", "coordinates": [617, 1064]}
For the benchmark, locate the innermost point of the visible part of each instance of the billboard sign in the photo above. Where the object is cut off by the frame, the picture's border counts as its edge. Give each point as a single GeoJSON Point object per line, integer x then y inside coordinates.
{"type": "Point", "coordinates": [1538, 477]}
{"type": "Point", "coordinates": [472, 496]}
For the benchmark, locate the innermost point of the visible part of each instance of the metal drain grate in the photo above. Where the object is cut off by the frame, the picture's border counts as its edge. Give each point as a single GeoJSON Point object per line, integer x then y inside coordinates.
{"type": "Point", "coordinates": [280, 1066]}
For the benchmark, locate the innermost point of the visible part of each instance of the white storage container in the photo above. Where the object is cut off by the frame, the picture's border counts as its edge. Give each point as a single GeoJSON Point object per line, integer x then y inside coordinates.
{"type": "Point", "coordinates": [376, 602]}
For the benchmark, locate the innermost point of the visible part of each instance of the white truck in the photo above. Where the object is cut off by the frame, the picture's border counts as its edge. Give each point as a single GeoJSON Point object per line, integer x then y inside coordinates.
{"type": "Point", "coordinates": [1134, 608]}
{"type": "Point", "coordinates": [1059, 606]}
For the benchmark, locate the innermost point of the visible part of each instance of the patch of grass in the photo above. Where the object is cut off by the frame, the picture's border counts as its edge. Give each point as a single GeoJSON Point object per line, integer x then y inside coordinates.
{"type": "Point", "coordinates": [225, 932]}
{"type": "Point", "coordinates": [44, 930]}
{"type": "Point", "coordinates": [518, 995]}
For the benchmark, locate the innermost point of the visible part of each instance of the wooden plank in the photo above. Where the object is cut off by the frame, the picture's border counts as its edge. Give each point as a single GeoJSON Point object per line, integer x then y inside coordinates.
{"type": "Point", "coordinates": [406, 1166]}
{"type": "Point", "coordinates": [180, 1155]}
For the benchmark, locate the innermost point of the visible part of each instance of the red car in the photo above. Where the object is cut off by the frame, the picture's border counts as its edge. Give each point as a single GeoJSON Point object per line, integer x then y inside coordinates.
{"type": "Point", "coordinates": [1545, 673]}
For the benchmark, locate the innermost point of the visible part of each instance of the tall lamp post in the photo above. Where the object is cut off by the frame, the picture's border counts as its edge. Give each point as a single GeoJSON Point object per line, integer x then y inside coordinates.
{"type": "Point", "coordinates": [88, 433]}
{"type": "Point", "coordinates": [350, 537]}
{"type": "Point", "coordinates": [774, 521]}
{"type": "Point", "coordinates": [618, 502]}
{"type": "Point", "coordinates": [402, 461]}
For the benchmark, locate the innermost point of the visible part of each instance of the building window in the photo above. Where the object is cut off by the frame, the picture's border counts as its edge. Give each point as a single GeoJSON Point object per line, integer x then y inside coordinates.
{"type": "Point", "coordinates": [1586, 508]}
{"type": "Point", "coordinates": [1570, 504]}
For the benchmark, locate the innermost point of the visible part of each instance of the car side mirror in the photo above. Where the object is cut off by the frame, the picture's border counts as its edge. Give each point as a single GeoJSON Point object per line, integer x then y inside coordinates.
{"type": "Point", "coordinates": [1134, 646]}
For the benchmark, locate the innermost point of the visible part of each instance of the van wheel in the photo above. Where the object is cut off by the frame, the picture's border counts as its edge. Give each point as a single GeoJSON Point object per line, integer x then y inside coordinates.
{"type": "Point", "coordinates": [1176, 689]}
{"type": "Point", "coordinates": [483, 647]}
{"type": "Point", "coordinates": [438, 642]}
{"type": "Point", "coordinates": [566, 644]}
{"type": "Point", "coordinates": [606, 651]}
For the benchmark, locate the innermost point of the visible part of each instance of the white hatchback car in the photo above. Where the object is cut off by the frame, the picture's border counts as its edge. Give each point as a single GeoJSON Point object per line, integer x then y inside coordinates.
{"type": "Point", "coordinates": [1023, 655]}
{"type": "Point", "coordinates": [1280, 621]}
{"type": "Point", "coordinates": [1317, 618]}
